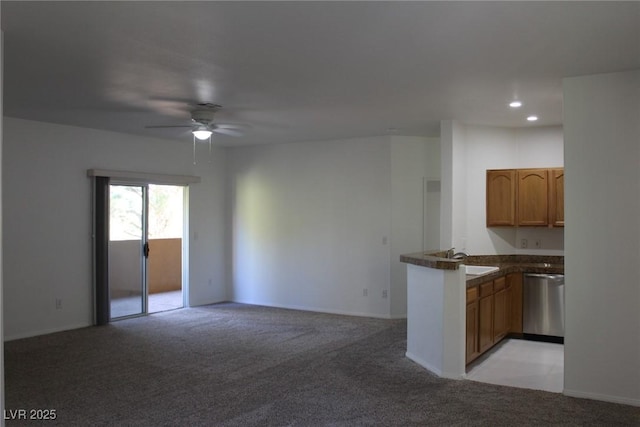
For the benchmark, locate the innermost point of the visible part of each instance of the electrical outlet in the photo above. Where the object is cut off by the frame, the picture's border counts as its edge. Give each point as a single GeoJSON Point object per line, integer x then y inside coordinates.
{"type": "Point", "coordinates": [524, 243]}
{"type": "Point", "coordinates": [537, 243]}
{"type": "Point", "coordinates": [58, 304]}
{"type": "Point", "coordinates": [384, 293]}
{"type": "Point", "coordinates": [365, 292]}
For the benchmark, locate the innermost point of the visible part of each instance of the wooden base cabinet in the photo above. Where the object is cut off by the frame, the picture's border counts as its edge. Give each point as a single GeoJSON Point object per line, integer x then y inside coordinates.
{"type": "Point", "coordinates": [500, 328]}
{"type": "Point", "coordinates": [494, 309]}
{"type": "Point", "coordinates": [485, 317]}
{"type": "Point", "coordinates": [472, 325]}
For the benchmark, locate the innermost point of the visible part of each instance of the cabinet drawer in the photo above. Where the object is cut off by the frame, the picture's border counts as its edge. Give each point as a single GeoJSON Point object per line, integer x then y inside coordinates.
{"type": "Point", "coordinates": [499, 283]}
{"type": "Point", "coordinates": [486, 289]}
{"type": "Point", "coordinates": [472, 294]}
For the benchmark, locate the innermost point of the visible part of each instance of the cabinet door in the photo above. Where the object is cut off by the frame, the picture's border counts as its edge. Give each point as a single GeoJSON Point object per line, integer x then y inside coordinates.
{"type": "Point", "coordinates": [509, 307]}
{"type": "Point", "coordinates": [533, 190]}
{"type": "Point", "coordinates": [556, 197]}
{"type": "Point", "coordinates": [499, 315]}
{"type": "Point", "coordinates": [501, 198]}
{"type": "Point", "coordinates": [485, 323]}
{"type": "Point", "coordinates": [472, 347]}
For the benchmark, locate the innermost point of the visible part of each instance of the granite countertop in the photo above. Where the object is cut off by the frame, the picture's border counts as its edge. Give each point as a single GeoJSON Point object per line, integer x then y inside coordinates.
{"type": "Point", "coordinates": [545, 264]}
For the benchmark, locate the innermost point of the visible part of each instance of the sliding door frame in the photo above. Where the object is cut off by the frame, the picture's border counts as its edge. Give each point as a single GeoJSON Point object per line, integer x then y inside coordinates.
{"type": "Point", "coordinates": [101, 179]}
{"type": "Point", "coordinates": [100, 235]}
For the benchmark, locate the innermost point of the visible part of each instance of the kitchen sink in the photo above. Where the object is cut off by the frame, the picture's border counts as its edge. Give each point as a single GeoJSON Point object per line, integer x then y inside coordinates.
{"type": "Point", "coordinates": [479, 270]}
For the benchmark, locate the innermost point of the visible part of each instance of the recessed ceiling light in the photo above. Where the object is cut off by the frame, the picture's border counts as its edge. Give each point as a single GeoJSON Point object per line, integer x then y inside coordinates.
{"type": "Point", "coordinates": [532, 118]}
{"type": "Point", "coordinates": [515, 104]}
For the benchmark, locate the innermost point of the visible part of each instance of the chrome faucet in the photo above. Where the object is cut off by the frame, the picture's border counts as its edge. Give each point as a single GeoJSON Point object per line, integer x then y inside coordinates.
{"type": "Point", "coordinates": [456, 255]}
{"type": "Point", "coordinates": [460, 255]}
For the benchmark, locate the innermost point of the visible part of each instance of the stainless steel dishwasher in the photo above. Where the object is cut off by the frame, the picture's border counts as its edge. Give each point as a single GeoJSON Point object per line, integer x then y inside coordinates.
{"type": "Point", "coordinates": [543, 307]}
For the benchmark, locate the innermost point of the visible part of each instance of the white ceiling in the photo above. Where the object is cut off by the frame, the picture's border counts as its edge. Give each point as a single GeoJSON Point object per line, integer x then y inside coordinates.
{"type": "Point", "coordinates": [301, 71]}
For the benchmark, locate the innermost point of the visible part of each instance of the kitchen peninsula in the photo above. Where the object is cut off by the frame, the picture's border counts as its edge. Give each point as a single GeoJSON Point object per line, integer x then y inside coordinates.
{"type": "Point", "coordinates": [438, 288]}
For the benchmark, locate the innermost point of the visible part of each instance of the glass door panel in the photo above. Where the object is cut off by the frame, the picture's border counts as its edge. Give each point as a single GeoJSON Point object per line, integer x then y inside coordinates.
{"type": "Point", "coordinates": [166, 228]}
{"type": "Point", "coordinates": [127, 250]}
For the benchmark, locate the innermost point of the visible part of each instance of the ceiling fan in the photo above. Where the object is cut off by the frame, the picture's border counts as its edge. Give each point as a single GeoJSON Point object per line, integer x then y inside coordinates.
{"type": "Point", "coordinates": [202, 125]}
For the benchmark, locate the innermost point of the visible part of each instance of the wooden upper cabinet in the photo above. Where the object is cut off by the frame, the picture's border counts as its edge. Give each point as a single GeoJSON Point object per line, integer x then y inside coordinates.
{"type": "Point", "coordinates": [556, 197]}
{"type": "Point", "coordinates": [501, 198]}
{"type": "Point", "coordinates": [533, 196]}
{"type": "Point", "coordinates": [525, 197]}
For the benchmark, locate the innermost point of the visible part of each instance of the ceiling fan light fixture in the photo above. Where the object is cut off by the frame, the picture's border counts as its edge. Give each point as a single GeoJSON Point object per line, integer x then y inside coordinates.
{"type": "Point", "coordinates": [202, 134]}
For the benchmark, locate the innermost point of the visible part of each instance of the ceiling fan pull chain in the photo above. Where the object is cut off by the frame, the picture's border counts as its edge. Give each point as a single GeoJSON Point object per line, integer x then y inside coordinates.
{"type": "Point", "coordinates": [194, 149]}
{"type": "Point", "coordinates": [209, 148]}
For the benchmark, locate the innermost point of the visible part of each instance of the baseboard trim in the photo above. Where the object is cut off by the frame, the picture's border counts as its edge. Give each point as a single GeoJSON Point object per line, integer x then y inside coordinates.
{"type": "Point", "coordinates": [315, 309]}
{"type": "Point", "coordinates": [424, 364]}
{"type": "Point", "coordinates": [46, 331]}
{"type": "Point", "coordinates": [201, 304]}
{"type": "Point", "coordinates": [398, 317]}
{"type": "Point", "coordinates": [602, 397]}
{"type": "Point", "coordinates": [429, 367]}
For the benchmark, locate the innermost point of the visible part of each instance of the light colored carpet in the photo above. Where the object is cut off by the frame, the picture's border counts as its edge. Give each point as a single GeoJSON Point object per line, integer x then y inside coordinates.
{"type": "Point", "coordinates": [240, 365]}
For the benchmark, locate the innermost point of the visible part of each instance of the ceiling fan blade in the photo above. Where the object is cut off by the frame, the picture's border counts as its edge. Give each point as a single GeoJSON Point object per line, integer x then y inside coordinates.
{"type": "Point", "coordinates": [225, 131]}
{"type": "Point", "coordinates": [231, 126]}
{"type": "Point", "coordinates": [161, 127]}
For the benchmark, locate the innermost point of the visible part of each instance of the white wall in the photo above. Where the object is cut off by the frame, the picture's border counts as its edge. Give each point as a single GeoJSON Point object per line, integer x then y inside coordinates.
{"type": "Point", "coordinates": [436, 320]}
{"type": "Point", "coordinates": [315, 224]}
{"type": "Point", "coordinates": [311, 225]}
{"type": "Point", "coordinates": [481, 148]}
{"type": "Point", "coordinates": [410, 161]}
{"type": "Point", "coordinates": [47, 218]}
{"type": "Point", "coordinates": [453, 208]}
{"type": "Point", "coordinates": [602, 210]}
{"type": "Point", "coordinates": [487, 148]}
{"type": "Point", "coordinates": [1, 257]}
{"type": "Point", "coordinates": [433, 196]}
{"type": "Point", "coordinates": [540, 147]}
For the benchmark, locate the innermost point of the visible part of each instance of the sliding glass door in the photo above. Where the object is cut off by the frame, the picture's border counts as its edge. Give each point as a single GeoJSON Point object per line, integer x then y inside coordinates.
{"type": "Point", "coordinates": [128, 250]}
{"type": "Point", "coordinates": [140, 245]}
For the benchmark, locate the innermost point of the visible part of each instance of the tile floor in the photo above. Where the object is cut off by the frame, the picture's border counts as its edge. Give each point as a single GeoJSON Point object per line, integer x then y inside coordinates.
{"type": "Point", "coordinates": [164, 301]}
{"type": "Point", "coordinates": [521, 363]}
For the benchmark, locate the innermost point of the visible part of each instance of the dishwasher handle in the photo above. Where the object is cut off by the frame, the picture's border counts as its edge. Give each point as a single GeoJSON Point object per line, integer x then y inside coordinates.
{"type": "Point", "coordinates": [554, 277]}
